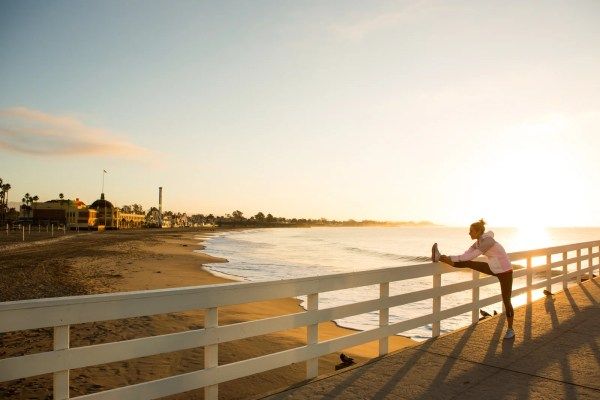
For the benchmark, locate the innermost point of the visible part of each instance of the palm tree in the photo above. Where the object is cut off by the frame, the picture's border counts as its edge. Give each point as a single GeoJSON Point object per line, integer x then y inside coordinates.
{"type": "Point", "coordinates": [1, 193]}
{"type": "Point", "coordinates": [28, 200]}
{"type": "Point", "coordinates": [4, 188]}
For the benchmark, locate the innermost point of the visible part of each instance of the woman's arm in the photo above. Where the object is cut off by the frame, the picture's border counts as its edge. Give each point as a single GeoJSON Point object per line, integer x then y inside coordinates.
{"type": "Point", "coordinates": [468, 255]}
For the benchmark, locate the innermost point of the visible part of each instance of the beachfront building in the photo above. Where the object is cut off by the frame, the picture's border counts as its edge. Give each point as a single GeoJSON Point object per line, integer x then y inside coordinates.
{"type": "Point", "coordinates": [167, 221]}
{"type": "Point", "coordinates": [181, 220]}
{"type": "Point", "coordinates": [105, 213]}
{"type": "Point", "coordinates": [129, 220]}
{"type": "Point", "coordinates": [72, 214]}
{"type": "Point", "coordinates": [175, 220]}
{"type": "Point", "coordinates": [110, 217]}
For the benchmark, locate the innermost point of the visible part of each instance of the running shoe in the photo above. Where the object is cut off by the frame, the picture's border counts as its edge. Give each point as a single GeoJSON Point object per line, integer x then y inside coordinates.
{"type": "Point", "coordinates": [435, 253]}
{"type": "Point", "coordinates": [510, 334]}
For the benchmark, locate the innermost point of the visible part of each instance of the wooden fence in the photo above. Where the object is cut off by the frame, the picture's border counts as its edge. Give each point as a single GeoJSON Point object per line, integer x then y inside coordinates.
{"type": "Point", "coordinates": [561, 264]}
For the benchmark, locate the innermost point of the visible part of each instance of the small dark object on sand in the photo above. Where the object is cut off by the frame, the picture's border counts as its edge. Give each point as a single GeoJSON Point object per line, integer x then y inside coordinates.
{"type": "Point", "coordinates": [346, 359]}
{"type": "Point", "coordinates": [485, 314]}
{"type": "Point", "coordinates": [346, 362]}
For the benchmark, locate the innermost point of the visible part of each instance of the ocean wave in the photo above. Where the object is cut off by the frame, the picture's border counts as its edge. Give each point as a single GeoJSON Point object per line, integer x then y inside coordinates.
{"type": "Point", "coordinates": [237, 242]}
{"type": "Point", "coordinates": [390, 256]}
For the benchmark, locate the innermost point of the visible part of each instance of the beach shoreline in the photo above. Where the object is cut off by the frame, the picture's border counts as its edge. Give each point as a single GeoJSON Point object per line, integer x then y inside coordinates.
{"type": "Point", "coordinates": [125, 261]}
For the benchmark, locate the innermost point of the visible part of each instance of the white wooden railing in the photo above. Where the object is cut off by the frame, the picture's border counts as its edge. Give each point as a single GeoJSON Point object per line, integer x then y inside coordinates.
{"type": "Point", "coordinates": [61, 313]}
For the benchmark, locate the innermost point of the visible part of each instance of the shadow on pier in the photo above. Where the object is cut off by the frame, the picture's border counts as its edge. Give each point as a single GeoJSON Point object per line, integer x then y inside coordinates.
{"type": "Point", "coordinates": [555, 355]}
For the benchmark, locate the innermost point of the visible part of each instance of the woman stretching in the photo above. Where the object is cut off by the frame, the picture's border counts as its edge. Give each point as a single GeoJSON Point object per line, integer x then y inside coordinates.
{"type": "Point", "coordinates": [498, 265]}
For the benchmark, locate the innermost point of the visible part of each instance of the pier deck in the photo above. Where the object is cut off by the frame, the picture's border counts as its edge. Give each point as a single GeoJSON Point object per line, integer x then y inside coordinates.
{"type": "Point", "coordinates": [556, 355]}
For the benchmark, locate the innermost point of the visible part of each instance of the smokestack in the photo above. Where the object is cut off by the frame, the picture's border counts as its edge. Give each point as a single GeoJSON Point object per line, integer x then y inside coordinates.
{"type": "Point", "coordinates": [160, 207]}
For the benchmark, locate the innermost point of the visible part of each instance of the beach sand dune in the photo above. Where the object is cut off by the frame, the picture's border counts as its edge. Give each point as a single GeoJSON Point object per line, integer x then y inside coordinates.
{"type": "Point", "coordinates": [138, 260]}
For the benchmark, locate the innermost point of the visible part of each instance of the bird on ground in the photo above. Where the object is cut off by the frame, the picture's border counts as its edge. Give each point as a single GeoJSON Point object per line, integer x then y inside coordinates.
{"type": "Point", "coordinates": [346, 360]}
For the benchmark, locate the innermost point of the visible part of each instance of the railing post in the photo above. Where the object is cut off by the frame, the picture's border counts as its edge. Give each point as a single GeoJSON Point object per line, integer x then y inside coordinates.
{"type": "Point", "coordinates": [548, 272]}
{"type": "Point", "coordinates": [598, 261]}
{"type": "Point", "coordinates": [578, 265]}
{"type": "Point", "coordinates": [590, 263]}
{"type": "Point", "coordinates": [437, 304]}
{"type": "Point", "coordinates": [475, 297]}
{"type": "Point", "coordinates": [384, 316]}
{"type": "Point", "coordinates": [61, 378]}
{"type": "Point", "coordinates": [312, 336]}
{"type": "Point", "coordinates": [565, 270]}
{"type": "Point", "coordinates": [529, 280]}
{"type": "Point", "coordinates": [211, 352]}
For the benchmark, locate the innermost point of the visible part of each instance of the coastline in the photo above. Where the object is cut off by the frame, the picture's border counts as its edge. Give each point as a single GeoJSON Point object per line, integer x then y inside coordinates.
{"type": "Point", "coordinates": [141, 260]}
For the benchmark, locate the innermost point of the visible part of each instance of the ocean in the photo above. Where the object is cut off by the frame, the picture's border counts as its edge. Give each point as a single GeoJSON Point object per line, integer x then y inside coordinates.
{"type": "Point", "coordinates": [284, 253]}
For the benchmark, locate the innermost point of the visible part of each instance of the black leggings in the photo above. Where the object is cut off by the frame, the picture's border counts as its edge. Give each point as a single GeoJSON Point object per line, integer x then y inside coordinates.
{"type": "Point", "coordinates": [505, 278]}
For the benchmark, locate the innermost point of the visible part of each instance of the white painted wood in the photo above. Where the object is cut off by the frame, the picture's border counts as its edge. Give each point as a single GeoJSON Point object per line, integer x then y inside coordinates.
{"type": "Point", "coordinates": [60, 312]}
{"type": "Point", "coordinates": [475, 298]}
{"type": "Point", "coordinates": [529, 281]}
{"type": "Point", "coordinates": [590, 262]}
{"type": "Point", "coordinates": [520, 255]}
{"type": "Point", "coordinates": [561, 262]}
{"type": "Point", "coordinates": [597, 255]}
{"type": "Point", "coordinates": [565, 266]}
{"type": "Point", "coordinates": [224, 373]}
{"type": "Point", "coordinates": [384, 316]}
{"type": "Point", "coordinates": [548, 272]}
{"type": "Point", "coordinates": [61, 378]}
{"type": "Point", "coordinates": [71, 310]}
{"type": "Point", "coordinates": [437, 305]}
{"type": "Point", "coordinates": [41, 363]}
{"type": "Point", "coordinates": [211, 353]}
{"type": "Point", "coordinates": [578, 265]}
{"type": "Point", "coordinates": [80, 309]}
{"type": "Point", "coordinates": [312, 336]}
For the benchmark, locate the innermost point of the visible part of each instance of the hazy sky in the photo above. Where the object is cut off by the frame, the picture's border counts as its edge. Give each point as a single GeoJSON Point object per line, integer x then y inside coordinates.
{"type": "Point", "coordinates": [399, 110]}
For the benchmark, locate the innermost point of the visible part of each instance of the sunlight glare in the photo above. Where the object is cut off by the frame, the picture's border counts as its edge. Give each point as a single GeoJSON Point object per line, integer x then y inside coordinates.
{"type": "Point", "coordinates": [532, 235]}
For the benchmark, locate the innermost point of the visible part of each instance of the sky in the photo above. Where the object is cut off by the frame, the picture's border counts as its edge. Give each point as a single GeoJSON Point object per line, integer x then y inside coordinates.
{"type": "Point", "coordinates": [446, 111]}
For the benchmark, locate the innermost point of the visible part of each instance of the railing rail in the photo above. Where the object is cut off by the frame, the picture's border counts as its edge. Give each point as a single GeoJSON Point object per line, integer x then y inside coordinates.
{"type": "Point", "coordinates": [61, 313]}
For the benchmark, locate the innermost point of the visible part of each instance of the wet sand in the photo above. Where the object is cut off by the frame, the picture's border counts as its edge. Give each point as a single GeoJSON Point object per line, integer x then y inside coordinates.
{"type": "Point", "coordinates": [89, 263]}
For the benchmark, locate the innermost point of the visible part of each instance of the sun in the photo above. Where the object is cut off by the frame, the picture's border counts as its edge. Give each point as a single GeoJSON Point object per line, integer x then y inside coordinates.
{"type": "Point", "coordinates": [532, 236]}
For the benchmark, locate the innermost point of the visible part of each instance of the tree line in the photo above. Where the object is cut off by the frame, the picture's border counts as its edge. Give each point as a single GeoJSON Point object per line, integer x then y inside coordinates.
{"type": "Point", "coordinates": [237, 219]}
{"type": "Point", "coordinates": [234, 219]}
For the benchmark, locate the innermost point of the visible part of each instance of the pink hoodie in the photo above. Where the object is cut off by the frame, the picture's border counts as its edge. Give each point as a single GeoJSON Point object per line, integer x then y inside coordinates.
{"type": "Point", "coordinates": [486, 245]}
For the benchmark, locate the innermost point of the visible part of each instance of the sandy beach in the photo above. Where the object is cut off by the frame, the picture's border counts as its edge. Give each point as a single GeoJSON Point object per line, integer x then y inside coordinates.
{"type": "Point", "coordinates": [88, 263]}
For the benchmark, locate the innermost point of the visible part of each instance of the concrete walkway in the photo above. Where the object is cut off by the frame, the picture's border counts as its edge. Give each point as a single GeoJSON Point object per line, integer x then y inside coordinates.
{"type": "Point", "coordinates": [556, 355]}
